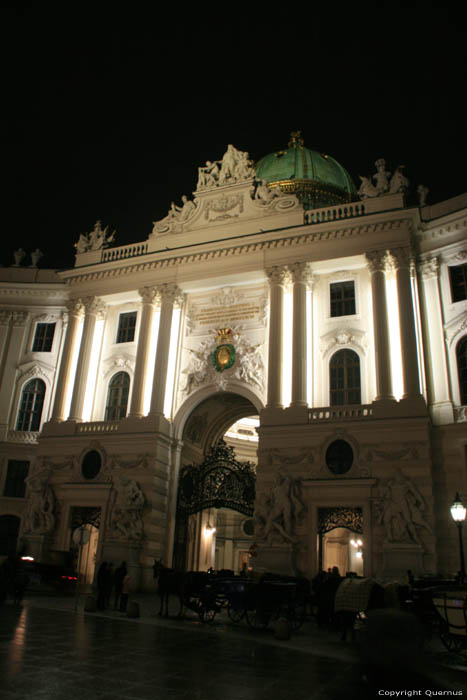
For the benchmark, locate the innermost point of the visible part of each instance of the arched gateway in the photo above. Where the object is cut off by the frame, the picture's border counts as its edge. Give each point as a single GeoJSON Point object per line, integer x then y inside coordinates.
{"type": "Point", "coordinates": [216, 484]}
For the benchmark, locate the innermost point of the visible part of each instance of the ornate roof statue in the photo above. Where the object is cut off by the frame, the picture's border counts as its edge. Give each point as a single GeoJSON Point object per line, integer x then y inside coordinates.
{"type": "Point", "coordinates": [95, 240]}
{"type": "Point", "coordinates": [385, 183]}
{"type": "Point", "coordinates": [235, 166]}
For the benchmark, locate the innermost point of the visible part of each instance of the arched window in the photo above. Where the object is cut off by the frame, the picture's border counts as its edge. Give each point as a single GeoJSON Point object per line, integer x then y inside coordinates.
{"type": "Point", "coordinates": [461, 353]}
{"type": "Point", "coordinates": [117, 397]}
{"type": "Point", "coordinates": [344, 378]}
{"type": "Point", "coordinates": [30, 407]}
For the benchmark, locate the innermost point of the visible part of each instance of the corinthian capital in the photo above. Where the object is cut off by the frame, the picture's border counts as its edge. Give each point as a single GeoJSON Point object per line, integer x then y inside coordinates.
{"type": "Point", "coordinates": [277, 275]}
{"type": "Point", "coordinates": [74, 307]}
{"type": "Point", "coordinates": [429, 268]}
{"type": "Point", "coordinates": [171, 294]}
{"type": "Point", "coordinates": [401, 257]}
{"type": "Point", "coordinates": [301, 272]}
{"type": "Point", "coordinates": [94, 306]}
{"type": "Point", "coordinates": [148, 295]}
{"type": "Point", "coordinates": [376, 260]}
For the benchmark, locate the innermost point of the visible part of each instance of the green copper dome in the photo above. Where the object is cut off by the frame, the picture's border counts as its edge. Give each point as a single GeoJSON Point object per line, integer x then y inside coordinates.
{"type": "Point", "coordinates": [317, 179]}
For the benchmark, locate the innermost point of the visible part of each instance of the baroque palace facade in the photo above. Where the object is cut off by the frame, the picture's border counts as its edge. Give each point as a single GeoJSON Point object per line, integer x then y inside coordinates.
{"type": "Point", "coordinates": [322, 331]}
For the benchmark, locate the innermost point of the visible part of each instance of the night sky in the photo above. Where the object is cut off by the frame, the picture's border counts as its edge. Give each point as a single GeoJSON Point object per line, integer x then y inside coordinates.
{"type": "Point", "coordinates": [108, 113]}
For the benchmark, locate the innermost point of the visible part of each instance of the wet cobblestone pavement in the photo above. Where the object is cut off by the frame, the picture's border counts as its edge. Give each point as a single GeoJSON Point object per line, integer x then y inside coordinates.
{"type": "Point", "coordinates": [47, 651]}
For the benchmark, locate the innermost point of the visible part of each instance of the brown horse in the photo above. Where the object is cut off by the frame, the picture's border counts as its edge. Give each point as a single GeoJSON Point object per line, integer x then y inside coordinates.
{"type": "Point", "coordinates": [170, 582]}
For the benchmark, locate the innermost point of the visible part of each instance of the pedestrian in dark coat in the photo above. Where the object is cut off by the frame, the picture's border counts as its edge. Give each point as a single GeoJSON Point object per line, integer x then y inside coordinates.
{"type": "Point", "coordinates": [120, 574]}
{"type": "Point", "coordinates": [102, 585]}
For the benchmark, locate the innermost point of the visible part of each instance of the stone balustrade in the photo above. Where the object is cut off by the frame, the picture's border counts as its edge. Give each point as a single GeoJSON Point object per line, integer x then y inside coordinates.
{"type": "Point", "coordinates": [335, 213]}
{"type": "Point", "coordinates": [338, 413]}
{"type": "Point", "coordinates": [125, 251]}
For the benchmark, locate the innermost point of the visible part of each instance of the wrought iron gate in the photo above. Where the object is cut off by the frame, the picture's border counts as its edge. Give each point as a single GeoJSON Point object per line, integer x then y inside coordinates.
{"type": "Point", "coordinates": [219, 482]}
{"type": "Point", "coordinates": [330, 518]}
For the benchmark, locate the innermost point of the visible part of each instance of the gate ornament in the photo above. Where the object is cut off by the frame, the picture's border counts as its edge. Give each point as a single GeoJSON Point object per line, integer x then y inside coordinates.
{"type": "Point", "coordinates": [340, 516]}
{"type": "Point", "coordinates": [223, 356]}
{"type": "Point", "coordinates": [219, 482]}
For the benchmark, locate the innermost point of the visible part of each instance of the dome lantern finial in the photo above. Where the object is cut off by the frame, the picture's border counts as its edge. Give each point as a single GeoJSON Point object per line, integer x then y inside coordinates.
{"type": "Point", "coordinates": [296, 139]}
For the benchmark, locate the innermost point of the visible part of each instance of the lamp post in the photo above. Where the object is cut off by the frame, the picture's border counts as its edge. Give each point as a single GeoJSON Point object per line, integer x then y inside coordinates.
{"type": "Point", "coordinates": [458, 513]}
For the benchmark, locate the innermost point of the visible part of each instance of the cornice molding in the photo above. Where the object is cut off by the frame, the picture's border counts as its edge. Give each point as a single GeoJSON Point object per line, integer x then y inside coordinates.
{"type": "Point", "coordinates": [429, 234]}
{"type": "Point", "coordinates": [311, 236]}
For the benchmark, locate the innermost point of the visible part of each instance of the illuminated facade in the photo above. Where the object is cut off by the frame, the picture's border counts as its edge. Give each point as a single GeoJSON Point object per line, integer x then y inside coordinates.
{"type": "Point", "coordinates": [278, 292]}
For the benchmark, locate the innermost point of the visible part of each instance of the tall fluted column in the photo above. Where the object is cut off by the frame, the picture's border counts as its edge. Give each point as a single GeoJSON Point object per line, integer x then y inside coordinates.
{"type": "Point", "coordinates": [301, 278]}
{"type": "Point", "coordinates": [410, 369]}
{"type": "Point", "coordinates": [169, 294]}
{"type": "Point", "coordinates": [148, 296]}
{"type": "Point", "coordinates": [376, 266]}
{"type": "Point", "coordinates": [94, 308]}
{"type": "Point", "coordinates": [75, 312]}
{"type": "Point", "coordinates": [438, 387]}
{"type": "Point", "coordinates": [277, 277]}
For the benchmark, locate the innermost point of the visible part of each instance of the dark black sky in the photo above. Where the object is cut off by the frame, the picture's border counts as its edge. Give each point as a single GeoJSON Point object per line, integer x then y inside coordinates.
{"type": "Point", "coordinates": [108, 113]}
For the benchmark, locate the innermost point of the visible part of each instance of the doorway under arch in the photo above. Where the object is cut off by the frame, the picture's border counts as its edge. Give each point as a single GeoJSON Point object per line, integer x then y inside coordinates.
{"type": "Point", "coordinates": [216, 485]}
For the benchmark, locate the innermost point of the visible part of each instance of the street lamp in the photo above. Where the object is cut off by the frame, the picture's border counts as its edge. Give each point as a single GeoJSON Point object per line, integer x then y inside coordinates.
{"type": "Point", "coordinates": [458, 513]}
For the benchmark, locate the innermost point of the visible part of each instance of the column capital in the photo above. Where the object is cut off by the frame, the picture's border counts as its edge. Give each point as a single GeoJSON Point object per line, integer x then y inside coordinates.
{"type": "Point", "coordinates": [376, 260]}
{"type": "Point", "coordinates": [5, 317]}
{"type": "Point", "coordinates": [19, 318]}
{"type": "Point", "coordinates": [94, 306]}
{"type": "Point", "coordinates": [74, 307]}
{"type": "Point", "coordinates": [278, 275]}
{"type": "Point", "coordinates": [301, 272]}
{"type": "Point", "coordinates": [171, 293]}
{"type": "Point", "coordinates": [149, 295]}
{"type": "Point", "coordinates": [429, 268]}
{"type": "Point", "coordinates": [401, 257]}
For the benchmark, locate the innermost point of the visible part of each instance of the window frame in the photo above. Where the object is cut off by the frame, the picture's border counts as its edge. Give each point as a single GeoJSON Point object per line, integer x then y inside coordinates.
{"type": "Point", "coordinates": [346, 389]}
{"type": "Point", "coordinates": [342, 301]}
{"type": "Point", "coordinates": [14, 482]}
{"type": "Point", "coordinates": [33, 413]}
{"type": "Point", "coordinates": [124, 330]}
{"type": "Point", "coordinates": [44, 339]}
{"type": "Point", "coordinates": [118, 408]}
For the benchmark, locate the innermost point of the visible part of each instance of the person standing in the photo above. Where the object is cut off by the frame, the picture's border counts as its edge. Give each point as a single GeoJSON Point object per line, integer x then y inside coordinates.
{"type": "Point", "coordinates": [120, 574]}
{"type": "Point", "coordinates": [125, 592]}
{"type": "Point", "coordinates": [101, 585]}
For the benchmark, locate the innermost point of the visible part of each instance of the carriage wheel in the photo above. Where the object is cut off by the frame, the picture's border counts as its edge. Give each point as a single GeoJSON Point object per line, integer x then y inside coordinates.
{"type": "Point", "coordinates": [256, 619]}
{"type": "Point", "coordinates": [235, 614]}
{"type": "Point", "coordinates": [451, 642]}
{"type": "Point", "coordinates": [207, 614]}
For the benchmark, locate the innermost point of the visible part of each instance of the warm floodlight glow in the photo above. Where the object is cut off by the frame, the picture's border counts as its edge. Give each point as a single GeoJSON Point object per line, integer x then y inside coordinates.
{"type": "Point", "coordinates": [395, 338]}
{"type": "Point", "coordinates": [91, 383]}
{"type": "Point", "coordinates": [309, 348]}
{"type": "Point", "coordinates": [287, 332]}
{"type": "Point", "coordinates": [151, 363]}
{"type": "Point", "coordinates": [169, 389]}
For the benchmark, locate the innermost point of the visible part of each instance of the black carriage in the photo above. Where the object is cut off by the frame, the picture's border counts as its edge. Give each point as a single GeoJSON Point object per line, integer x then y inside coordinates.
{"type": "Point", "coordinates": [207, 594]}
{"type": "Point", "coordinates": [452, 609]}
{"type": "Point", "coordinates": [274, 597]}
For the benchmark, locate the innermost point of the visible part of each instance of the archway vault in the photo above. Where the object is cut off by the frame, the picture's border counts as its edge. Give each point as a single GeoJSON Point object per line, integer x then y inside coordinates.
{"type": "Point", "coordinates": [210, 474]}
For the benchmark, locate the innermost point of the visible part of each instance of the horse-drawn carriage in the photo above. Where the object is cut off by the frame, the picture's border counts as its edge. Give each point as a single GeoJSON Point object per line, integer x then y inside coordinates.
{"type": "Point", "coordinates": [259, 602]}
{"type": "Point", "coordinates": [452, 610]}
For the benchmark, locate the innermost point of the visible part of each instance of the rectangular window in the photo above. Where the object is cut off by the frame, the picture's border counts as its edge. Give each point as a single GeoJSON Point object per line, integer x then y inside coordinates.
{"type": "Point", "coordinates": [43, 337]}
{"type": "Point", "coordinates": [126, 327]}
{"type": "Point", "coordinates": [458, 279]}
{"type": "Point", "coordinates": [15, 484]}
{"type": "Point", "coordinates": [342, 298]}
